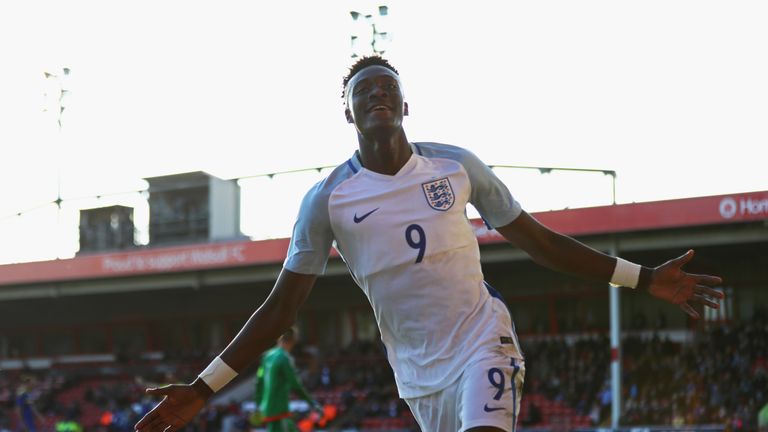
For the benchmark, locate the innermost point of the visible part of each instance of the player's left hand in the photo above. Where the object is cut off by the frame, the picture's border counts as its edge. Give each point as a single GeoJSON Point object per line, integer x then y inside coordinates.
{"type": "Point", "coordinates": [670, 283]}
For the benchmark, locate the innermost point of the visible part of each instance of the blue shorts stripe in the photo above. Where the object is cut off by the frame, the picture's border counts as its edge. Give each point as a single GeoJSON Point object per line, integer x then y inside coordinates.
{"type": "Point", "coordinates": [514, 393]}
{"type": "Point", "coordinates": [495, 294]}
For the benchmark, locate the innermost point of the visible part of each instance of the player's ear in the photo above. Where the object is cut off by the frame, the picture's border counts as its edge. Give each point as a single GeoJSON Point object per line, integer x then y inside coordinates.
{"type": "Point", "coordinates": [348, 115]}
{"type": "Point", "coordinates": [405, 108]}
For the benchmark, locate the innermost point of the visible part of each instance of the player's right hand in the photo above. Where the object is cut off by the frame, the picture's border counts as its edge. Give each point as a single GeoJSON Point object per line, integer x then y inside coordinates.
{"type": "Point", "coordinates": [180, 404]}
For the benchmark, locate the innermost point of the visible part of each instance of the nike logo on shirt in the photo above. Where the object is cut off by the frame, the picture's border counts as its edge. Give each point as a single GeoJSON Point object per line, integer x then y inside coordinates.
{"type": "Point", "coordinates": [361, 218]}
{"type": "Point", "coordinates": [486, 408]}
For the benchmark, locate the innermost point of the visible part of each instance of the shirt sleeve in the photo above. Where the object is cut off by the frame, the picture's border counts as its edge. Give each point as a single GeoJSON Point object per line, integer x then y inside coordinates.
{"type": "Point", "coordinates": [312, 237]}
{"type": "Point", "coordinates": [489, 195]}
{"type": "Point", "coordinates": [289, 372]}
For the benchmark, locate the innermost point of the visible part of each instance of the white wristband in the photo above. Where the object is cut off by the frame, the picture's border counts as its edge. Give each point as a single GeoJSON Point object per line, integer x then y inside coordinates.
{"type": "Point", "coordinates": [217, 374]}
{"type": "Point", "coordinates": [625, 274]}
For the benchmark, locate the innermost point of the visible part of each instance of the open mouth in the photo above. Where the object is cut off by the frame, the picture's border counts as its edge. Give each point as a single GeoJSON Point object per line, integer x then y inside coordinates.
{"type": "Point", "coordinates": [376, 108]}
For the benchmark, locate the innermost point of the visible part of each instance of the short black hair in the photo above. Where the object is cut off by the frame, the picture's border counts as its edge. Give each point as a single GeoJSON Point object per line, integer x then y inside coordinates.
{"type": "Point", "coordinates": [363, 63]}
{"type": "Point", "coordinates": [290, 334]}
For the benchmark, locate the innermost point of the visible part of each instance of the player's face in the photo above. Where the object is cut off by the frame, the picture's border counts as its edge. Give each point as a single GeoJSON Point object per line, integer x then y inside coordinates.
{"type": "Point", "coordinates": [375, 100]}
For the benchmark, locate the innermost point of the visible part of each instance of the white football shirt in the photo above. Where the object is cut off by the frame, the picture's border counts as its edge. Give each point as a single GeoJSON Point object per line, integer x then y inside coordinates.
{"type": "Point", "coordinates": [410, 247]}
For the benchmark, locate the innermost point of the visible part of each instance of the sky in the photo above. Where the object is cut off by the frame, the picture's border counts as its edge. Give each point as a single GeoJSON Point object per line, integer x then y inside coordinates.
{"type": "Point", "coordinates": [672, 95]}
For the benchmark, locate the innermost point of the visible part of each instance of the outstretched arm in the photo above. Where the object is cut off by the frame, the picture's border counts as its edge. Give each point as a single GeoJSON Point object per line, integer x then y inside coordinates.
{"type": "Point", "coordinates": [564, 254]}
{"type": "Point", "coordinates": [182, 402]}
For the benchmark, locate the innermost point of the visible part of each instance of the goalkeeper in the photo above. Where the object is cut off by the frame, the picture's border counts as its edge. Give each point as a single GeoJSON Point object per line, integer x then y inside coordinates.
{"type": "Point", "coordinates": [275, 380]}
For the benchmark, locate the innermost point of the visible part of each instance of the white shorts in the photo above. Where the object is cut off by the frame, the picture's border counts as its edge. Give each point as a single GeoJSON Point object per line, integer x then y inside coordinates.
{"type": "Point", "coordinates": [487, 393]}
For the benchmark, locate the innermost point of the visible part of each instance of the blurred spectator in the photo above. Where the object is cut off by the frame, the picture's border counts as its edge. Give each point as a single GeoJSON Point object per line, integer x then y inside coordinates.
{"type": "Point", "coordinates": [69, 424]}
{"type": "Point", "coordinates": [28, 415]}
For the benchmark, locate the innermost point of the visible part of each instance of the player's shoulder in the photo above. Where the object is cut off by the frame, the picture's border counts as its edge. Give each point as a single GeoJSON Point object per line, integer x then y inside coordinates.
{"type": "Point", "coordinates": [274, 355]}
{"type": "Point", "coordinates": [428, 148]}
{"type": "Point", "coordinates": [282, 356]}
{"type": "Point", "coordinates": [320, 191]}
{"type": "Point", "coordinates": [446, 151]}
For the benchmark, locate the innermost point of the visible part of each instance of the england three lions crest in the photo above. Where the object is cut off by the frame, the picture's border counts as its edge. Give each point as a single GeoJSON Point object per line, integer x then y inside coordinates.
{"type": "Point", "coordinates": [439, 194]}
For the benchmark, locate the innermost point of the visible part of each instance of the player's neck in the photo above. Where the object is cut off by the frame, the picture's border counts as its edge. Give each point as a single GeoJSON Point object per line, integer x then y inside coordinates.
{"type": "Point", "coordinates": [385, 155]}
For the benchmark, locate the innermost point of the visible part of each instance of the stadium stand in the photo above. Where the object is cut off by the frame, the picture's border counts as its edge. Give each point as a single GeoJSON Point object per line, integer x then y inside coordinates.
{"type": "Point", "coordinates": [719, 378]}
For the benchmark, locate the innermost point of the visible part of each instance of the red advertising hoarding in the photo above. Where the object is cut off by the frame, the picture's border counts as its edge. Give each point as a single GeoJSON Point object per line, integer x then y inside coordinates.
{"type": "Point", "coordinates": [722, 209]}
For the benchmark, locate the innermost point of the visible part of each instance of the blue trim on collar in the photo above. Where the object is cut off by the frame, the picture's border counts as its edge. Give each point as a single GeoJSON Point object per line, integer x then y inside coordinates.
{"type": "Point", "coordinates": [352, 166]}
{"type": "Point", "coordinates": [418, 149]}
